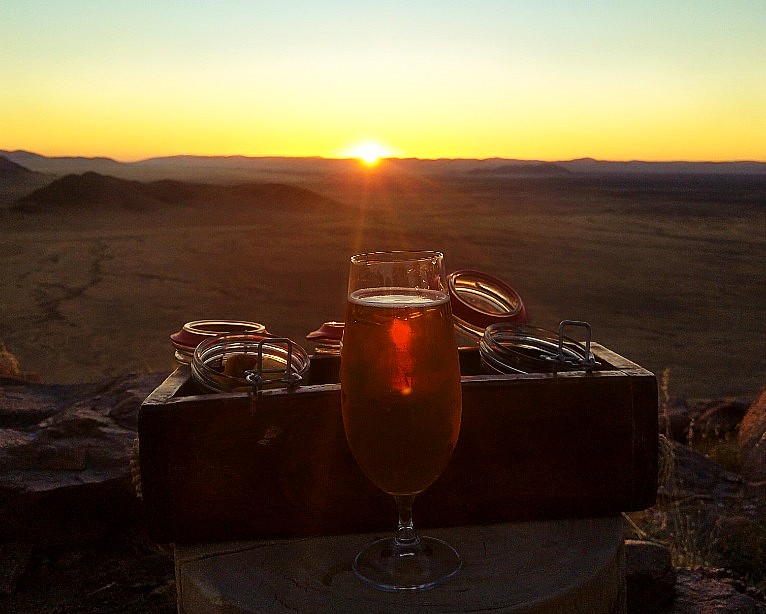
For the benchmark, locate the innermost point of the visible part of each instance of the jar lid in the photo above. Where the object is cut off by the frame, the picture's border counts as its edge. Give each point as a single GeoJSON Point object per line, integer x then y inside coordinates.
{"type": "Point", "coordinates": [329, 332]}
{"type": "Point", "coordinates": [478, 300]}
{"type": "Point", "coordinates": [193, 333]}
{"type": "Point", "coordinates": [243, 362]}
{"type": "Point", "coordinates": [328, 338]}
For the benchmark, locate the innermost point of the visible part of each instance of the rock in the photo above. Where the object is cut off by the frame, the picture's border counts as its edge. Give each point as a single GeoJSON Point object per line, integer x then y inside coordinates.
{"type": "Point", "coordinates": [710, 516]}
{"type": "Point", "coordinates": [25, 403]}
{"type": "Point", "coordinates": [752, 440]}
{"type": "Point", "coordinates": [14, 558]}
{"type": "Point", "coordinates": [720, 420]}
{"type": "Point", "coordinates": [740, 543]}
{"type": "Point", "coordinates": [695, 476]}
{"type": "Point", "coordinates": [649, 576]}
{"type": "Point", "coordinates": [65, 456]}
{"type": "Point", "coordinates": [674, 419]}
{"type": "Point", "coordinates": [701, 591]}
{"type": "Point", "coordinates": [694, 421]}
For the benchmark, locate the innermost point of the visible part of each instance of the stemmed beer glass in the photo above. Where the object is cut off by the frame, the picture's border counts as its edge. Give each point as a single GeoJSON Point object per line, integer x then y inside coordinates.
{"type": "Point", "coordinates": [401, 402]}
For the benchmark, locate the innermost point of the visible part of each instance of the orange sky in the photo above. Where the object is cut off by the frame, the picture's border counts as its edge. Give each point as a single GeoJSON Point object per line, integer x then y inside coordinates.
{"type": "Point", "coordinates": [548, 80]}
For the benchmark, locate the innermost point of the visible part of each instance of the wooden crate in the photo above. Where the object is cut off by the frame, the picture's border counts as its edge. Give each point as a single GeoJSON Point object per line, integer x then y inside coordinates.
{"type": "Point", "coordinates": [536, 446]}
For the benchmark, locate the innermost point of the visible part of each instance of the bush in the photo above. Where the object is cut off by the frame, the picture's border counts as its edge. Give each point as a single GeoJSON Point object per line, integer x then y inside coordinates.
{"type": "Point", "coordinates": [9, 364]}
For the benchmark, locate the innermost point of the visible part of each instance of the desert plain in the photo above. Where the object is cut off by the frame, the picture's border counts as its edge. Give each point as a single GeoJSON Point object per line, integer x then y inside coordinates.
{"type": "Point", "coordinates": [97, 270]}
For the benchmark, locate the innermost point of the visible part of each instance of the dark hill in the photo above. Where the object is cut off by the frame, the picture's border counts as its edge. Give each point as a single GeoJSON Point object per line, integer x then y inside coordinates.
{"type": "Point", "coordinates": [89, 190]}
{"type": "Point", "coordinates": [9, 169]}
{"type": "Point", "coordinates": [17, 180]}
{"type": "Point", "coordinates": [273, 194]}
{"type": "Point", "coordinates": [94, 191]}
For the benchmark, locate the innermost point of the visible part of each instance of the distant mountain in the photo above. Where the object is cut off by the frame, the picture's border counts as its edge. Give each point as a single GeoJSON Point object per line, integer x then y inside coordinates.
{"type": "Point", "coordinates": [93, 190]}
{"type": "Point", "coordinates": [245, 168]}
{"type": "Point", "coordinates": [61, 164]}
{"type": "Point", "coordinates": [589, 165]}
{"type": "Point", "coordinates": [537, 169]}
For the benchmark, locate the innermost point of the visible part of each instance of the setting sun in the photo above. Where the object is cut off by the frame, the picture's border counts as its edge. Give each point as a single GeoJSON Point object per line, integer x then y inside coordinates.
{"type": "Point", "coordinates": [369, 152]}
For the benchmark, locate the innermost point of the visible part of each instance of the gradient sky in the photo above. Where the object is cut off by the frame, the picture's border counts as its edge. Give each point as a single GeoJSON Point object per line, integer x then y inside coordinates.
{"type": "Point", "coordinates": [542, 79]}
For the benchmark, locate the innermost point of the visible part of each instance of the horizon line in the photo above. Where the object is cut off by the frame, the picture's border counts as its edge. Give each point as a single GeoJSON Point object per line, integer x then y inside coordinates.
{"type": "Point", "coordinates": [381, 159]}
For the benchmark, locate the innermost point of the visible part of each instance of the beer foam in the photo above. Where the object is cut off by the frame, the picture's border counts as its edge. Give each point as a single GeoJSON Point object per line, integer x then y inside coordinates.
{"type": "Point", "coordinates": [398, 297]}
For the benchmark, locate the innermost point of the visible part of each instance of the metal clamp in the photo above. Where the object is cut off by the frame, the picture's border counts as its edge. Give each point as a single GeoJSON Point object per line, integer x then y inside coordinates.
{"type": "Point", "coordinates": [256, 377]}
{"type": "Point", "coordinates": [588, 361]}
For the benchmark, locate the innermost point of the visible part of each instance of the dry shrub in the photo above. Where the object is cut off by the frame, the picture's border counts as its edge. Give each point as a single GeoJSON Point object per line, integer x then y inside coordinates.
{"type": "Point", "coordinates": [9, 364]}
{"type": "Point", "coordinates": [697, 531]}
{"type": "Point", "coordinates": [724, 450]}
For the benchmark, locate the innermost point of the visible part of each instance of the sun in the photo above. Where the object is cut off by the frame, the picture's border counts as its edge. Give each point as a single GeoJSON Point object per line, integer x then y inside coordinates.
{"type": "Point", "coordinates": [369, 152]}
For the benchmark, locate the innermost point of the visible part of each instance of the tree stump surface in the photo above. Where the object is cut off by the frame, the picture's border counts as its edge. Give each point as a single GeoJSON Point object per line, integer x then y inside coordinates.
{"type": "Point", "coordinates": [573, 565]}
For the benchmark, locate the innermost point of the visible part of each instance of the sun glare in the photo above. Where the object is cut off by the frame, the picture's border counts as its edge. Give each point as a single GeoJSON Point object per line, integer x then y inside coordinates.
{"type": "Point", "coordinates": [369, 152]}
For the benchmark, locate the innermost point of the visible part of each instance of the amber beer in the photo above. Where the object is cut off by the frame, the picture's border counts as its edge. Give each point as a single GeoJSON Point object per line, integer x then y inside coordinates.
{"type": "Point", "coordinates": [401, 396]}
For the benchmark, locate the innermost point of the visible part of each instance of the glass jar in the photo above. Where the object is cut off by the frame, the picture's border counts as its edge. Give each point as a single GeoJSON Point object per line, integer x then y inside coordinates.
{"type": "Point", "coordinates": [513, 348]}
{"type": "Point", "coordinates": [246, 362]}
{"type": "Point", "coordinates": [193, 333]}
{"type": "Point", "coordinates": [478, 300]}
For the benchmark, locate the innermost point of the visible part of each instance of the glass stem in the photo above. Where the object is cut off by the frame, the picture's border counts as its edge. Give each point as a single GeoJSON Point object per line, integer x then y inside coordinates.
{"type": "Point", "coordinates": [406, 538]}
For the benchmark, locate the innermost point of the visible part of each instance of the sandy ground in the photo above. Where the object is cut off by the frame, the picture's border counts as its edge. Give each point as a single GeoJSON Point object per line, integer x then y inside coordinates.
{"type": "Point", "coordinates": [666, 281]}
{"type": "Point", "coordinates": [86, 292]}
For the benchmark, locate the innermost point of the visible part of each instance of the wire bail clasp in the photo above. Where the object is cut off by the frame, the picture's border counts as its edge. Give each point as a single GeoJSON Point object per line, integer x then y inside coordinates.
{"type": "Point", "coordinates": [588, 360]}
{"type": "Point", "coordinates": [257, 377]}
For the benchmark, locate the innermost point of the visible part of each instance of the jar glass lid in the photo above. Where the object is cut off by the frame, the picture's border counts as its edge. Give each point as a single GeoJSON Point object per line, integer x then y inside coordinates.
{"type": "Point", "coordinates": [193, 333]}
{"type": "Point", "coordinates": [478, 300]}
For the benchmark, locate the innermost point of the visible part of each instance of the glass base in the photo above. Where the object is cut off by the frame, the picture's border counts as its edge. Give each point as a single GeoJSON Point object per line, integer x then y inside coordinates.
{"type": "Point", "coordinates": [390, 566]}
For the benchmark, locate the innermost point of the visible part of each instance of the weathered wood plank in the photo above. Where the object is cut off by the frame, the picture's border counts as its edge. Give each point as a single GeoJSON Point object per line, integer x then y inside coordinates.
{"type": "Point", "coordinates": [232, 466]}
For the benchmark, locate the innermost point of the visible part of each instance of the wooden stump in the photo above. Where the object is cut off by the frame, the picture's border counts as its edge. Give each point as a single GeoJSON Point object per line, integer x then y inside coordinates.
{"type": "Point", "coordinates": [560, 566]}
